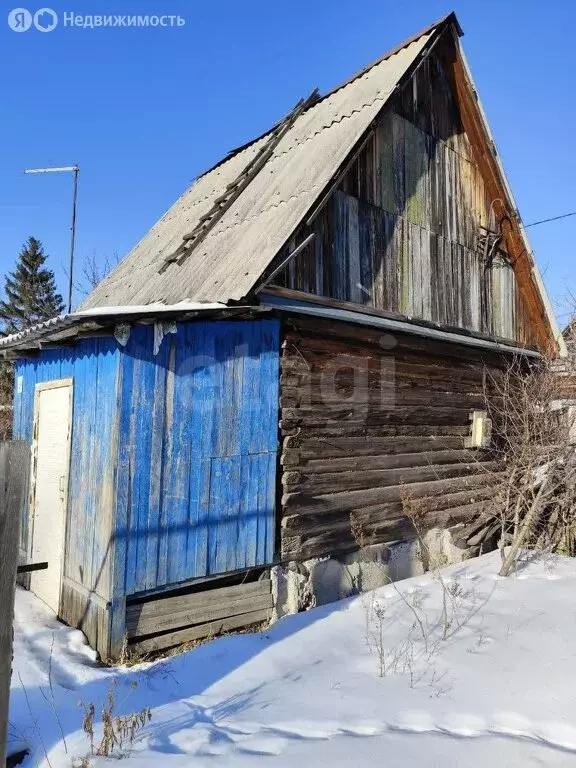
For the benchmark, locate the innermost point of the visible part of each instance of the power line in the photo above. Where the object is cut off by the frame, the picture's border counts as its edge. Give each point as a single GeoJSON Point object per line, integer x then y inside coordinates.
{"type": "Point", "coordinates": [545, 221]}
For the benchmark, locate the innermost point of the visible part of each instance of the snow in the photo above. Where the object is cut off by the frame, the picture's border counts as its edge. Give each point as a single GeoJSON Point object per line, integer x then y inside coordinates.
{"type": "Point", "coordinates": [155, 307]}
{"type": "Point", "coordinates": [495, 685]}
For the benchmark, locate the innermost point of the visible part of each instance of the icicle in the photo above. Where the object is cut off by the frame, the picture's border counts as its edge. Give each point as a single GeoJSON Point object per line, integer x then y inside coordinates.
{"type": "Point", "coordinates": [160, 330]}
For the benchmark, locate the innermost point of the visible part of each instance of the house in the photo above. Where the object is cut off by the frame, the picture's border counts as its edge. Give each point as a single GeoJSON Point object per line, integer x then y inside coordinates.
{"type": "Point", "coordinates": [565, 367]}
{"type": "Point", "coordinates": [293, 351]}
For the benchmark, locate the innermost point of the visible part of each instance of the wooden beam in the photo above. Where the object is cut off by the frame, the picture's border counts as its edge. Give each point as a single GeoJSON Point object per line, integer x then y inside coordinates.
{"type": "Point", "coordinates": [14, 466]}
{"type": "Point", "coordinates": [201, 631]}
{"type": "Point", "coordinates": [193, 615]}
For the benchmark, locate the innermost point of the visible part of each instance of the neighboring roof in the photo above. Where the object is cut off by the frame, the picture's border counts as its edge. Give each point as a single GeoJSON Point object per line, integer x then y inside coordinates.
{"type": "Point", "coordinates": [69, 326]}
{"type": "Point", "coordinates": [229, 262]}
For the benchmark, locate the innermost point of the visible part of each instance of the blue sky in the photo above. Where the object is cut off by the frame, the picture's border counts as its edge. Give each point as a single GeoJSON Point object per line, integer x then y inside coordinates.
{"type": "Point", "coordinates": [143, 111]}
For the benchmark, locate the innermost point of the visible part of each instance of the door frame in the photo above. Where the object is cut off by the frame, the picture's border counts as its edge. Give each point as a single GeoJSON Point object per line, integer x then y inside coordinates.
{"type": "Point", "coordinates": [40, 387]}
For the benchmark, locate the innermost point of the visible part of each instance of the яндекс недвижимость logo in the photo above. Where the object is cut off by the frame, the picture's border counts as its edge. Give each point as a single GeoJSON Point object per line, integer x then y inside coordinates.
{"type": "Point", "coordinates": [21, 20]}
{"type": "Point", "coordinates": [46, 19]}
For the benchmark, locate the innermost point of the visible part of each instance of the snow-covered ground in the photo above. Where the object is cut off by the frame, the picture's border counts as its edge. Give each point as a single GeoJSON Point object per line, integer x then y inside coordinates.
{"type": "Point", "coordinates": [489, 680]}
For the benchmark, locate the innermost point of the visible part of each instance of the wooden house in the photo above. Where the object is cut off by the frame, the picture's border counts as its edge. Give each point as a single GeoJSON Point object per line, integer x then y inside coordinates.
{"type": "Point", "coordinates": [294, 349]}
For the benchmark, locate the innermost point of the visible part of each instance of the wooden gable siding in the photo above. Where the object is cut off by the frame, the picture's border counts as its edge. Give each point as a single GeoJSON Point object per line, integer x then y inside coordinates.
{"type": "Point", "coordinates": [403, 231]}
{"type": "Point", "coordinates": [565, 368]}
{"type": "Point", "coordinates": [369, 421]}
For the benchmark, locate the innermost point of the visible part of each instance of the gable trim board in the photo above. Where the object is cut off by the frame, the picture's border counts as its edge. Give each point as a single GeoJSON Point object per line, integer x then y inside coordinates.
{"type": "Point", "coordinates": [527, 271]}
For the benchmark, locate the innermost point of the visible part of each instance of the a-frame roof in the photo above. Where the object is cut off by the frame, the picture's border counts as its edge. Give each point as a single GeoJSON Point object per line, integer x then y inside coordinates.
{"type": "Point", "coordinates": [227, 265]}
{"type": "Point", "coordinates": [226, 231]}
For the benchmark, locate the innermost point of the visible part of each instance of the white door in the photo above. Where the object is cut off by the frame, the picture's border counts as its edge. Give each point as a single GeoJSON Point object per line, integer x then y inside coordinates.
{"type": "Point", "coordinates": [52, 427]}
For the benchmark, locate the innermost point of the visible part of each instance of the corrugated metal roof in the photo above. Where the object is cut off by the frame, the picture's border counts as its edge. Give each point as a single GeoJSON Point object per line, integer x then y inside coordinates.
{"type": "Point", "coordinates": [51, 329]}
{"type": "Point", "coordinates": [54, 324]}
{"type": "Point", "coordinates": [227, 265]}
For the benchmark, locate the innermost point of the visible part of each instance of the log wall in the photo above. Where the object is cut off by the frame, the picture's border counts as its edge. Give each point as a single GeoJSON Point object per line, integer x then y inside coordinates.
{"type": "Point", "coordinates": [371, 423]}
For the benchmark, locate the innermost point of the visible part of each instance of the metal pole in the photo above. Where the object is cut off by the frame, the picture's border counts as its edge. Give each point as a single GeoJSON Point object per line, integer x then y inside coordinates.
{"type": "Point", "coordinates": [75, 170]}
{"type": "Point", "coordinates": [73, 238]}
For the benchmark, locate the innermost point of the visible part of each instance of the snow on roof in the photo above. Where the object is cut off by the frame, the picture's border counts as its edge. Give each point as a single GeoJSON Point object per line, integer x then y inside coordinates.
{"type": "Point", "coordinates": [56, 324]}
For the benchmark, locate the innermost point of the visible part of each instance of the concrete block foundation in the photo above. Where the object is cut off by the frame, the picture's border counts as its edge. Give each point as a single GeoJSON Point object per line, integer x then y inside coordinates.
{"type": "Point", "coordinates": [299, 586]}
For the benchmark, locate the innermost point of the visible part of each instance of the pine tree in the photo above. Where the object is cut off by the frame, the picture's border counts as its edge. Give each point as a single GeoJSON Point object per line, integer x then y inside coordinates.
{"type": "Point", "coordinates": [31, 295]}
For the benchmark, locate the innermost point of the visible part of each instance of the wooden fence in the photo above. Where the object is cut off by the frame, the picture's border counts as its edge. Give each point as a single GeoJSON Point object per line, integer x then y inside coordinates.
{"type": "Point", "coordinates": [14, 468]}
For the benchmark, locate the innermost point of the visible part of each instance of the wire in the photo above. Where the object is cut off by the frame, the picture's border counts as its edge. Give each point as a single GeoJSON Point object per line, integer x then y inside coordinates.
{"type": "Point", "coordinates": [545, 221]}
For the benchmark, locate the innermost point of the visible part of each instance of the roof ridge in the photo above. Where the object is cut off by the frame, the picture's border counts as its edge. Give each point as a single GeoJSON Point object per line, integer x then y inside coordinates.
{"type": "Point", "coordinates": [450, 18]}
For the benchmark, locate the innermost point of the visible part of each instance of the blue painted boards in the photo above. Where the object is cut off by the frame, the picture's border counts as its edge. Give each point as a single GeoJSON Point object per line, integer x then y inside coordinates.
{"type": "Point", "coordinates": [198, 432]}
{"type": "Point", "coordinates": [93, 366]}
{"type": "Point", "coordinates": [173, 455]}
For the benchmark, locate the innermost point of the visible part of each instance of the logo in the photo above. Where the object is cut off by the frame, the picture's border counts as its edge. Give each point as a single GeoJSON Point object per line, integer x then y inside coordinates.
{"type": "Point", "coordinates": [45, 20]}
{"type": "Point", "coordinates": [20, 20]}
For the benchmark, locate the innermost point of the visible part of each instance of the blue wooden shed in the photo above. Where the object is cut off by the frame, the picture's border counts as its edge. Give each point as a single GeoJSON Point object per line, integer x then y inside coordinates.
{"type": "Point", "coordinates": [172, 474]}
{"type": "Point", "coordinates": [222, 402]}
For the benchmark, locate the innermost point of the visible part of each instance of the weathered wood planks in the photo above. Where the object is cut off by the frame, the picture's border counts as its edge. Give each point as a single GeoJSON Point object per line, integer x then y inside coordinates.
{"type": "Point", "coordinates": [14, 467]}
{"type": "Point", "coordinates": [198, 443]}
{"type": "Point", "coordinates": [164, 621]}
{"type": "Point", "coordinates": [201, 631]}
{"type": "Point", "coordinates": [85, 610]}
{"type": "Point", "coordinates": [93, 457]}
{"type": "Point", "coordinates": [403, 232]}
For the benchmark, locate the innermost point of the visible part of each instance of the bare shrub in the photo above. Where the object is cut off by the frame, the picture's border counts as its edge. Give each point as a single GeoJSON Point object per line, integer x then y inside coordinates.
{"type": "Point", "coordinates": [129, 657]}
{"type": "Point", "coordinates": [51, 699]}
{"type": "Point", "coordinates": [375, 634]}
{"type": "Point", "coordinates": [93, 270]}
{"type": "Point", "coordinates": [414, 654]}
{"type": "Point", "coordinates": [118, 732]}
{"type": "Point", "coordinates": [533, 441]}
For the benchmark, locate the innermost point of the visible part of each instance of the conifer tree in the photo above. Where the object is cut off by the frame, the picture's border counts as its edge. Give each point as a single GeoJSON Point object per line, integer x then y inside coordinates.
{"type": "Point", "coordinates": [31, 295]}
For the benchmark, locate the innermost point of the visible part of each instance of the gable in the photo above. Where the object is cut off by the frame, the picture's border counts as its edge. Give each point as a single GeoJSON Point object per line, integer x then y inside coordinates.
{"type": "Point", "coordinates": [411, 227]}
{"type": "Point", "coordinates": [423, 222]}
